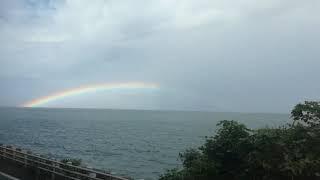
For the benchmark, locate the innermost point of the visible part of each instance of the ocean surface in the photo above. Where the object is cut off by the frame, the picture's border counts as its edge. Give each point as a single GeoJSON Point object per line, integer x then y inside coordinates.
{"type": "Point", "coordinates": [140, 144]}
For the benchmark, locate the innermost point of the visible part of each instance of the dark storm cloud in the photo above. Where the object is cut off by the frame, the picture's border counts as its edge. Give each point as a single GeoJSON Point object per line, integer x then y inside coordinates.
{"type": "Point", "coordinates": [205, 55]}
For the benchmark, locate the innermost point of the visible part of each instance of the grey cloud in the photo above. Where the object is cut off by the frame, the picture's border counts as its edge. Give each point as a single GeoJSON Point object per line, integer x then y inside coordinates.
{"type": "Point", "coordinates": [249, 56]}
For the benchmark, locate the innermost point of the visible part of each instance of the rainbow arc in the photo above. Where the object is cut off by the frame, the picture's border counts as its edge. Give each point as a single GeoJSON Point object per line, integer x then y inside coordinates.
{"type": "Point", "coordinates": [115, 87]}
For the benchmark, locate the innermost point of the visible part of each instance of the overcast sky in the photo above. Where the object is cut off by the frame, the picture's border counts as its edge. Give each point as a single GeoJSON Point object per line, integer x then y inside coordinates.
{"type": "Point", "coordinates": [216, 55]}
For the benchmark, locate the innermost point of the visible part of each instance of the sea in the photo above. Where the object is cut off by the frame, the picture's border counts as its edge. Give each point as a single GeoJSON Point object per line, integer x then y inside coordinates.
{"type": "Point", "coordinates": [140, 144]}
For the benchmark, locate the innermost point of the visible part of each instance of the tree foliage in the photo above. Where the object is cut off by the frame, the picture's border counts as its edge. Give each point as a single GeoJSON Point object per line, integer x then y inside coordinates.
{"type": "Point", "coordinates": [308, 113]}
{"type": "Point", "coordinates": [238, 153]}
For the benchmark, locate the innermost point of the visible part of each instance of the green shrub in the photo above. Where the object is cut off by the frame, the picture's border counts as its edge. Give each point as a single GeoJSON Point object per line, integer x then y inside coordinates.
{"type": "Point", "coordinates": [74, 162]}
{"type": "Point", "coordinates": [237, 153]}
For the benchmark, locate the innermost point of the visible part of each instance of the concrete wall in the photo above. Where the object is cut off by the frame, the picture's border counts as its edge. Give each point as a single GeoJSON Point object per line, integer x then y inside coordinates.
{"type": "Point", "coordinates": [16, 170]}
{"type": "Point", "coordinates": [4, 176]}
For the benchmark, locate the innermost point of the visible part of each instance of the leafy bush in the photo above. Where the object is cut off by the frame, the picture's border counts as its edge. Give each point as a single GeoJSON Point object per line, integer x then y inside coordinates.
{"type": "Point", "coordinates": [74, 162]}
{"type": "Point", "coordinates": [238, 153]}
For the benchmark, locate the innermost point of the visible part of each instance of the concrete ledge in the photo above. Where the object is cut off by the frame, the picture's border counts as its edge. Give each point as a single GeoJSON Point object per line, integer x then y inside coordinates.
{"type": "Point", "coordinates": [4, 176]}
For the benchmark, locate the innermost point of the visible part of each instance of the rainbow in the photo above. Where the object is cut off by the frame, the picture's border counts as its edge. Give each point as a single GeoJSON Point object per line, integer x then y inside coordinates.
{"type": "Point", "coordinates": [38, 102]}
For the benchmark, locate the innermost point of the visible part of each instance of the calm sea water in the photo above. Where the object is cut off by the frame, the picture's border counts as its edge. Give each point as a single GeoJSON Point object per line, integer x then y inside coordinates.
{"type": "Point", "coordinates": [140, 144]}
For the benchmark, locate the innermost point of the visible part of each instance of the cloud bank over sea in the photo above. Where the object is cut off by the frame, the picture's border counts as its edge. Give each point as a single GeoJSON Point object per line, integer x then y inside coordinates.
{"type": "Point", "coordinates": [248, 56]}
